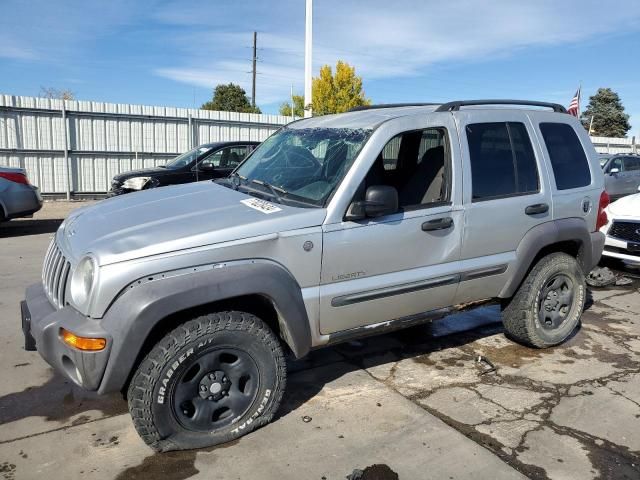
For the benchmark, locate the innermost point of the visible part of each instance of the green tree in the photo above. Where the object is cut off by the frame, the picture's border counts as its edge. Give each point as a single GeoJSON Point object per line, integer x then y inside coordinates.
{"type": "Point", "coordinates": [298, 107]}
{"type": "Point", "coordinates": [230, 98]}
{"type": "Point", "coordinates": [609, 119]}
{"type": "Point", "coordinates": [337, 93]}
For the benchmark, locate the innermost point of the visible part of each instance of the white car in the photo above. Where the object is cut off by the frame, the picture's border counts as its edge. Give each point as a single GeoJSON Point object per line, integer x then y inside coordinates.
{"type": "Point", "coordinates": [623, 230]}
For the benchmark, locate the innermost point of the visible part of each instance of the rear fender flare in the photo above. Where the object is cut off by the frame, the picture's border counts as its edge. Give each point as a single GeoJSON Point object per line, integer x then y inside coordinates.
{"type": "Point", "coordinates": [542, 236]}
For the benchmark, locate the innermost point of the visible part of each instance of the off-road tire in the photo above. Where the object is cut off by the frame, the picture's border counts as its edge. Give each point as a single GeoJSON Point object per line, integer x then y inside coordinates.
{"type": "Point", "coordinates": [150, 393]}
{"type": "Point", "coordinates": [520, 313]}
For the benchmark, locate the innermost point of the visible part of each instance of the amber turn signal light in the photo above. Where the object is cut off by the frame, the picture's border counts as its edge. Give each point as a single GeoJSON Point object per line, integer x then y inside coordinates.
{"type": "Point", "coordinates": [82, 343]}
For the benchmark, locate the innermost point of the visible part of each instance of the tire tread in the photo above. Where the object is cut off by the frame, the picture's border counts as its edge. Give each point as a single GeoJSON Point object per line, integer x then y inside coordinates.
{"type": "Point", "coordinates": [140, 392]}
{"type": "Point", "coordinates": [517, 312]}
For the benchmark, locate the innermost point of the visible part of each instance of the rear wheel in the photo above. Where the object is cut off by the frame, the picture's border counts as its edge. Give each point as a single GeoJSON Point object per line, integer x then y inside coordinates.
{"type": "Point", "coordinates": [211, 380]}
{"type": "Point", "coordinates": [547, 307]}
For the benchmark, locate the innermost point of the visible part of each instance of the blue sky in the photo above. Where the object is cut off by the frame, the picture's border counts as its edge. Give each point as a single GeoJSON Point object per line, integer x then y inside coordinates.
{"type": "Point", "coordinates": [174, 52]}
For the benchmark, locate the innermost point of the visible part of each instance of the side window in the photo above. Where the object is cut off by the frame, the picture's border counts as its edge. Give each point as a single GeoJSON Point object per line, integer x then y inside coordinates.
{"type": "Point", "coordinates": [417, 164]}
{"type": "Point", "coordinates": [616, 163]}
{"type": "Point", "coordinates": [569, 162]}
{"type": "Point", "coordinates": [391, 153]}
{"type": "Point", "coordinates": [228, 157]}
{"type": "Point", "coordinates": [213, 159]}
{"type": "Point", "coordinates": [631, 164]}
{"type": "Point", "coordinates": [502, 160]}
{"type": "Point", "coordinates": [234, 158]}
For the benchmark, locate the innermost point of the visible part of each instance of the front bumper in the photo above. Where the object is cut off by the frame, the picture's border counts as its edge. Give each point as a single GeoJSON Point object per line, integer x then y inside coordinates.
{"type": "Point", "coordinates": [41, 324]}
{"type": "Point", "coordinates": [622, 250]}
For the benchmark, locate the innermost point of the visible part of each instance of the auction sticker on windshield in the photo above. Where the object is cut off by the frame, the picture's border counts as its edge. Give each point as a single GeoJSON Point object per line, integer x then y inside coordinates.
{"type": "Point", "coordinates": [261, 205]}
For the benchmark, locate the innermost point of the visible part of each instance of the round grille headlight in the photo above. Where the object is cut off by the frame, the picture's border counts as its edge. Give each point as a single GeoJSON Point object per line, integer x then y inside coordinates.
{"type": "Point", "coordinates": [82, 281]}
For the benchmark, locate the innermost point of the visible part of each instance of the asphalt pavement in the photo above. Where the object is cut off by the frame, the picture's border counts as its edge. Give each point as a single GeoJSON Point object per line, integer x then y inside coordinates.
{"type": "Point", "coordinates": [452, 399]}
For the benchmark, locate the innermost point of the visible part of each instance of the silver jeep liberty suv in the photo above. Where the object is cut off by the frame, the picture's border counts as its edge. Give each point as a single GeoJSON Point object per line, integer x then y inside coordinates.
{"type": "Point", "coordinates": [188, 298]}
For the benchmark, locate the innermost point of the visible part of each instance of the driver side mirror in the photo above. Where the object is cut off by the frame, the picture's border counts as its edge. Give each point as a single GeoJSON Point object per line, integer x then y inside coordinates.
{"type": "Point", "coordinates": [379, 200]}
{"type": "Point", "coordinates": [206, 167]}
{"type": "Point", "coordinates": [613, 171]}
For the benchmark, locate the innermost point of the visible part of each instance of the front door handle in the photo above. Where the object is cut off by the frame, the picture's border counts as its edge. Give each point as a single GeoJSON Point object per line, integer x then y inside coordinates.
{"type": "Point", "coordinates": [437, 224]}
{"type": "Point", "coordinates": [536, 209]}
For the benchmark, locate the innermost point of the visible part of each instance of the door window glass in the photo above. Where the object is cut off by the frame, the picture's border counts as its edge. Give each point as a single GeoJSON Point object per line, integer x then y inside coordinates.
{"type": "Point", "coordinates": [503, 163]}
{"type": "Point", "coordinates": [228, 157]}
{"type": "Point", "coordinates": [616, 163]}
{"type": "Point", "coordinates": [417, 164]}
{"type": "Point", "coordinates": [631, 164]}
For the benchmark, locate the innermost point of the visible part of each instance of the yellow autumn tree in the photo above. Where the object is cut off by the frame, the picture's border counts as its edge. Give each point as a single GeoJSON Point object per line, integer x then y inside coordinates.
{"type": "Point", "coordinates": [339, 92]}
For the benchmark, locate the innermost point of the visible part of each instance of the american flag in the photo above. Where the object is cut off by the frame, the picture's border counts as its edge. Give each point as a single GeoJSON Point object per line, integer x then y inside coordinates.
{"type": "Point", "coordinates": [574, 106]}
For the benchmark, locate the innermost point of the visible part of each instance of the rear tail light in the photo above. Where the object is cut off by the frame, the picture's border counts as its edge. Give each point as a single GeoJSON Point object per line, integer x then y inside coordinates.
{"type": "Point", "coordinates": [602, 215]}
{"type": "Point", "coordinates": [15, 177]}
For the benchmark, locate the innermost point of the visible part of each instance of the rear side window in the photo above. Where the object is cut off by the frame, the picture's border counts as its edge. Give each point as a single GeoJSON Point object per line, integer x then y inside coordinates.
{"type": "Point", "coordinates": [631, 164]}
{"type": "Point", "coordinates": [569, 162]}
{"type": "Point", "coordinates": [502, 160]}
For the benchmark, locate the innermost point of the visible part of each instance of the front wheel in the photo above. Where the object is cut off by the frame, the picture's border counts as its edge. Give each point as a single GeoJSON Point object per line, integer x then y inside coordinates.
{"type": "Point", "coordinates": [209, 381]}
{"type": "Point", "coordinates": [547, 307]}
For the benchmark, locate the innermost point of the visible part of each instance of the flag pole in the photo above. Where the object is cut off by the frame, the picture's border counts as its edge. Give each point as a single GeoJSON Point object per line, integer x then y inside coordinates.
{"type": "Point", "coordinates": [579, 97]}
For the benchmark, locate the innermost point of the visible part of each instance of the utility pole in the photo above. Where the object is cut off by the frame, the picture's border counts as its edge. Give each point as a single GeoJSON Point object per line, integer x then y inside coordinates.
{"type": "Point", "coordinates": [308, 37]}
{"type": "Point", "coordinates": [255, 59]}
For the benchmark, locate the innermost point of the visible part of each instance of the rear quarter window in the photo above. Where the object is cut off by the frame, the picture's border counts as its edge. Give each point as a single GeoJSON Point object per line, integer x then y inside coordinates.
{"type": "Point", "coordinates": [568, 159]}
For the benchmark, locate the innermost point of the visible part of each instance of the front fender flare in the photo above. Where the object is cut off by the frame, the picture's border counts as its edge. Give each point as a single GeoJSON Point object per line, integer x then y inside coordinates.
{"type": "Point", "coordinates": [144, 303]}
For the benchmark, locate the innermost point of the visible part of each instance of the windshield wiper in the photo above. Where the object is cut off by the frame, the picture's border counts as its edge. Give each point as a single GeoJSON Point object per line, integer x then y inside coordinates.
{"type": "Point", "coordinates": [274, 190]}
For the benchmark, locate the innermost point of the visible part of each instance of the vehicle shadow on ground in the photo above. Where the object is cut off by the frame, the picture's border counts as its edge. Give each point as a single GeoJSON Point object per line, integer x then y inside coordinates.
{"type": "Point", "coordinates": [22, 228]}
{"type": "Point", "coordinates": [57, 400]}
{"type": "Point", "coordinates": [308, 377]}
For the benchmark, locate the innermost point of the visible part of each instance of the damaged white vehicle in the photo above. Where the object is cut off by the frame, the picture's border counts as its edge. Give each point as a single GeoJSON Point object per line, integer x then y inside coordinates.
{"type": "Point", "coordinates": [623, 230]}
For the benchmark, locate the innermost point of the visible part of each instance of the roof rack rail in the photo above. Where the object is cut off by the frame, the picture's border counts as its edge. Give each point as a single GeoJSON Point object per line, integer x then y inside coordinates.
{"type": "Point", "coordinates": [455, 106]}
{"type": "Point", "coordinates": [390, 105]}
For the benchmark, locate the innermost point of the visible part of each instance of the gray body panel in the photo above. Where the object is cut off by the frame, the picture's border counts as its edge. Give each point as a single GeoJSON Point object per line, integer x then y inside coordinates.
{"type": "Point", "coordinates": [398, 254]}
{"type": "Point", "coordinates": [624, 182]}
{"type": "Point", "coordinates": [17, 199]}
{"type": "Point", "coordinates": [163, 251]}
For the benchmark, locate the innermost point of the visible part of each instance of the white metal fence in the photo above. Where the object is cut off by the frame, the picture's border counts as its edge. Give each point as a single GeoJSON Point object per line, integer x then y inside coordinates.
{"type": "Point", "coordinates": [616, 145]}
{"type": "Point", "coordinates": [77, 146]}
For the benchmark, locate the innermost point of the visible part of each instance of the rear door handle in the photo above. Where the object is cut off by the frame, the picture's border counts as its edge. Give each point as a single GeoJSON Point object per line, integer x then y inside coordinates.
{"type": "Point", "coordinates": [536, 209]}
{"type": "Point", "coordinates": [437, 224]}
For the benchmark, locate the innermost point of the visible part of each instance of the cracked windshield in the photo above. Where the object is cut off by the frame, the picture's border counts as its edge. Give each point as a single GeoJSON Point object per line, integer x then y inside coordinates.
{"type": "Point", "coordinates": [301, 166]}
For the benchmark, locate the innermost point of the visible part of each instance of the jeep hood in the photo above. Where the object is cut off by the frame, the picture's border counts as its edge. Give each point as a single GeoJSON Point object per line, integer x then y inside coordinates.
{"type": "Point", "coordinates": [175, 218]}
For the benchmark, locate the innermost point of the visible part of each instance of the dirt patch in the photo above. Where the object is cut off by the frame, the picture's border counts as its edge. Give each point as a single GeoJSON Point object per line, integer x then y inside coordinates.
{"type": "Point", "coordinates": [511, 355]}
{"type": "Point", "coordinates": [374, 472]}
{"type": "Point", "coordinates": [168, 466]}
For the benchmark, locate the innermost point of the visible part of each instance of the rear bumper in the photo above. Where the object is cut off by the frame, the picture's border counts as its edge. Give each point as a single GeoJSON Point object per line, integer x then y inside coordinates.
{"type": "Point", "coordinates": [23, 201]}
{"type": "Point", "coordinates": [41, 324]}
{"type": "Point", "coordinates": [597, 246]}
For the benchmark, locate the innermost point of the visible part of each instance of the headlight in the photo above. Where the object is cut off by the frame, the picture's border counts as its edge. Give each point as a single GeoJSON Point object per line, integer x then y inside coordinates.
{"type": "Point", "coordinates": [136, 183]}
{"type": "Point", "coordinates": [82, 281]}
